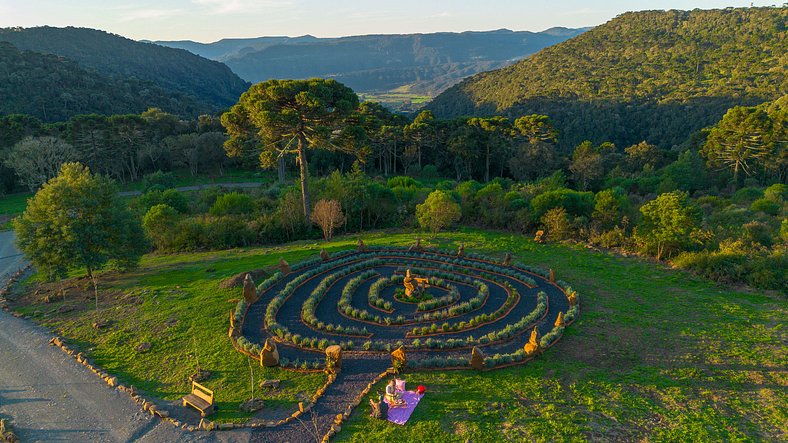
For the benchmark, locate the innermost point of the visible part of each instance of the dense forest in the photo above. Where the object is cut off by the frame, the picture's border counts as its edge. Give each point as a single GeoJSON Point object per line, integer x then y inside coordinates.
{"type": "Point", "coordinates": [657, 76]}
{"type": "Point", "coordinates": [424, 63]}
{"type": "Point", "coordinates": [172, 70]}
{"type": "Point", "coordinates": [52, 89]}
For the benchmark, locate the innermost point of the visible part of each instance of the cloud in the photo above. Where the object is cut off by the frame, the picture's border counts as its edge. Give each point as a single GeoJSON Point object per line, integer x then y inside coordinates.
{"type": "Point", "coordinates": [129, 15]}
{"type": "Point", "coordinates": [241, 6]}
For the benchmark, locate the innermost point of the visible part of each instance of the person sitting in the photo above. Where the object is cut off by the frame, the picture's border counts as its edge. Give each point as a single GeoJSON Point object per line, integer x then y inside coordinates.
{"type": "Point", "coordinates": [393, 396]}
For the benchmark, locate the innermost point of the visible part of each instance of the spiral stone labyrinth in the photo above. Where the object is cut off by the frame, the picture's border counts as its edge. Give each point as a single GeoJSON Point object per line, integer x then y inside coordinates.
{"type": "Point", "coordinates": [357, 300]}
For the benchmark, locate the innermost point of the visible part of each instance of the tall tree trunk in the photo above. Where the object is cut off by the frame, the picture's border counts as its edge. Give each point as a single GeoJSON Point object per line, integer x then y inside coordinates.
{"type": "Point", "coordinates": [304, 177]}
{"type": "Point", "coordinates": [93, 280]}
{"type": "Point", "coordinates": [487, 165]}
{"type": "Point", "coordinates": [280, 169]}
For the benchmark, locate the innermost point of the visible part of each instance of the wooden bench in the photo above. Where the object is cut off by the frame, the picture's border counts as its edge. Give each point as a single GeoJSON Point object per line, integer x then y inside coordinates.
{"type": "Point", "coordinates": [201, 399]}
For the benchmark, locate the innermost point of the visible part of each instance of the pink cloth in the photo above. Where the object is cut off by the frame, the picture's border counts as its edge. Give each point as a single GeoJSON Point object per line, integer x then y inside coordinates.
{"type": "Point", "coordinates": [400, 384]}
{"type": "Point", "coordinates": [400, 414]}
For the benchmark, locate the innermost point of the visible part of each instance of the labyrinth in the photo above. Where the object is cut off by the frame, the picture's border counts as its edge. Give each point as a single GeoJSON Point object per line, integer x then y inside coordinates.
{"type": "Point", "coordinates": [501, 312]}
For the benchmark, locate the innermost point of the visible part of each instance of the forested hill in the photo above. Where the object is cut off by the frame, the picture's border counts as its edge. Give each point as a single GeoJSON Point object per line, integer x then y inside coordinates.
{"type": "Point", "coordinates": [55, 89]}
{"type": "Point", "coordinates": [175, 70]}
{"type": "Point", "coordinates": [655, 75]}
{"type": "Point", "coordinates": [422, 63]}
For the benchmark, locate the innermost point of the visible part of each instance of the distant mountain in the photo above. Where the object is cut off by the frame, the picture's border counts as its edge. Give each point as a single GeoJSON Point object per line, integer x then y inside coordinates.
{"type": "Point", "coordinates": [54, 89]}
{"type": "Point", "coordinates": [654, 75]}
{"type": "Point", "coordinates": [171, 69]}
{"type": "Point", "coordinates": [417, 63]}
{"type": "Point", "coordinates": [233, 47]}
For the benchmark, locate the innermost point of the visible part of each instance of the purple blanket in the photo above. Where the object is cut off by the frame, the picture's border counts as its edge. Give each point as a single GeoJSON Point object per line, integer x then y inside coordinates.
{"type": "Point", "coordinates": [401, 414]}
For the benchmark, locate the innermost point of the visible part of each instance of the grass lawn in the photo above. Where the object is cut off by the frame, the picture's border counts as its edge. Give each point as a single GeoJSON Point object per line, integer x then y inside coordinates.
{"type": "Point", "coordinates": [656, 354]}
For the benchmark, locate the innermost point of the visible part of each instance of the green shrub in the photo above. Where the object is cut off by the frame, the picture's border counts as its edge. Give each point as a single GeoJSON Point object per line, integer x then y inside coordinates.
{"type": "Point", "coordinates": [233, 203]}
{"type": "Point", "coordinates": [767, 206]}
{"type": "Point", "coordinates": [777, 192]}
{"type": "Point", "coordinates": [159, 180]}
{"type": "Point", "coordinates": [746, 195]}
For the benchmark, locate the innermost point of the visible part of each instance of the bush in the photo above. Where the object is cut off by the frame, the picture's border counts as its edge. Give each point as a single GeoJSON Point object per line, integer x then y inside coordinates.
{"type": "Point", "coordinates": [233, 203]}
{"type": "Point", "coordinates": [746, 195]}
{"type": "Point", "coordinates": [158, 180]}
{"type": "Point", "coordinates": [767, 206]}
{"type": "Point", "coordinates": [777, 192]}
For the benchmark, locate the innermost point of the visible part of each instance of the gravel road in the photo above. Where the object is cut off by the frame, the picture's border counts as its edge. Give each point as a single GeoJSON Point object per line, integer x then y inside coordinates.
{"type": "Point", "coordinates": [48, 397]}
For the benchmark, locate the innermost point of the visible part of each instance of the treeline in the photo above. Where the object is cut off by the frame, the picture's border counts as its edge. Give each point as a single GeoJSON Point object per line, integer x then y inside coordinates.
{"type": "Point", "coordinates": [123, 147]}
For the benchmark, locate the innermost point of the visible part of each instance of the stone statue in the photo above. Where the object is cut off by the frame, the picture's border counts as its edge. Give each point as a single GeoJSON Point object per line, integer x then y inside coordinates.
{"type": "Point", "coordinates": [477, 358]}
{"type": "Point", "coordinates": [507, 259]}
{"type": "Point", "coordinates": [269, 355]}
{"type": "Point", "coordinates": [284, 267]}
{"type": "Point", "coordinates": [334, 358]}
{"type": "Point", "coordinates": [559, 322]}
{"type": "Point", "coordinates": [398, 359]}
{"type": "Point", "coordinates": [410, 288]}
{"type": "Point", "coordinates": [250, 291]}
{"type": "Point", "coordinates": [533, 347]}
{"type": "Point", "coordinates": [361, 247]}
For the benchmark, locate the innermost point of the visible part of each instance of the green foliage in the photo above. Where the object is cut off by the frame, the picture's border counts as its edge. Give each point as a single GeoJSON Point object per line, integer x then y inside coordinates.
{"type": "Point", "coordinates": [76, 221]}
{"type": "Point", "coordinates": [54, 89]}
{"type": "Point", "coordinates": [170, 197]}
{"type": "Point", "coordinates": [667, 224]}
{"type": "Point", "coordinates": [770, 207]}
{"type": "Point", "coordinates": [171, 70]}
{"type": "Point", "coordinates": [657, 76]}
{"type": "Point", "coordinates": [438, 212]}
{"type": "Point", "coordinates": [233, 203]}
{"type": "Point", "coordinates": [158, 180]}
{"type": "Point", "coordinates": [777, 192]}
{"type": "Point", "coordinates": [746, 195]}
{"type": "Point", "coordinates": [161, 224]}
{"type": "Point", "coordinates": [576, 203]}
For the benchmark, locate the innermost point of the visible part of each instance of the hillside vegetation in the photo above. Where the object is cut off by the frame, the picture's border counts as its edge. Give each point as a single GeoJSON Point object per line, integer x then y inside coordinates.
{"type": "Point", "coordinates": [425, 63]}
{"type": "Point", "coordinates": [174, 70]}
{"type": "Point", "coordinates": [53, 89]}
{"type": "Point", "coordinates": [656, 76]}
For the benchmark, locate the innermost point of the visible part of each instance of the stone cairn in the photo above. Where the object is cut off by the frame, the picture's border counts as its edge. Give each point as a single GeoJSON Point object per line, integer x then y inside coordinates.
{"type": "Point", "coordinates": [284, 267]}
{"type": "Point", "coordinates": [539, 237]}
{"type": "Point", "coordinates": [533, 347]}
{"type": "Point", "coordinates": [552, 276]}
{"type": "Point", "coordinates": [333, 359]}
{"type": "Point", "coordinates": [398, 359]}
{"type": "Point", "coordinates": [477, 358]}
{"type": "Point", "coordinates": [361, 247]}
{"type": "Point", "coordinates": [572, 297]}
{"type": "Point", "coordinates": [250, 290]}
{"type": "Point", "coordinates": [269, 355]}
{"type": "Point", "coordinates": [507, 259]}
{"type": "Point", "coordinates": [324, 255]}
{"type": "Point", "coordinates": [461, 250]}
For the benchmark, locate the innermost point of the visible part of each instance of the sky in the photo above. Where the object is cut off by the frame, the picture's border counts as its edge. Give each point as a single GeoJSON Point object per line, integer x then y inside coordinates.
{"type": "Point", "coordinates": [211, 20]}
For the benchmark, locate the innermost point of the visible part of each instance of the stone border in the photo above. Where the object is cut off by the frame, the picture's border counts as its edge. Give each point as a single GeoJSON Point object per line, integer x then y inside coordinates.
{"type": "Point", "coordinates": [6, 289]}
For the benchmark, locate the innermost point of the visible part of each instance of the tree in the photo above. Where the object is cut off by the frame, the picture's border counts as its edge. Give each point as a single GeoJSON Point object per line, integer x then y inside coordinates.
{"type": "Point", "coordinates": [77, 221]}
{"type": "Point", "coordinates": [556, 222]}
{"type": "Point", "coordinates": [668, 223]}
{"type": "Point", "coordinates": [610, 206]}
{"type": "Point", "coordinates": [289, 116]}
{"type": "Point", "coordinates": [740, 141]}
{"type": "Point", "coordinates": [587, 164]}
{"type": "Point", "coordinates": [438, 211]}
{"type": "Point", "coordinates": [495, 133]}
{"type": "Point", "coordinates": [37, 159]}
{"type": "Point", "coordinates": [160, 222]}
{"type": "Point", "coordinates": [328, 215]}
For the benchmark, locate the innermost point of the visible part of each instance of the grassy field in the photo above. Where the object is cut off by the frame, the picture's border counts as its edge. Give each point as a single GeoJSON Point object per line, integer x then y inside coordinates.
{"type": "Point", "coordinates": [656, 355]}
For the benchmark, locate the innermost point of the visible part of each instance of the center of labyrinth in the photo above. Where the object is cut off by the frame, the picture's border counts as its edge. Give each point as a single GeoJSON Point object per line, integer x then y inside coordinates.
{"type": "Point", "coordinates": [357, 300]}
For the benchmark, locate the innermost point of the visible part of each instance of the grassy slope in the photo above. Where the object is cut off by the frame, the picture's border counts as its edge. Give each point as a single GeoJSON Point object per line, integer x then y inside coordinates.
{"type": "Point", "coordinates": [656, 352]}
